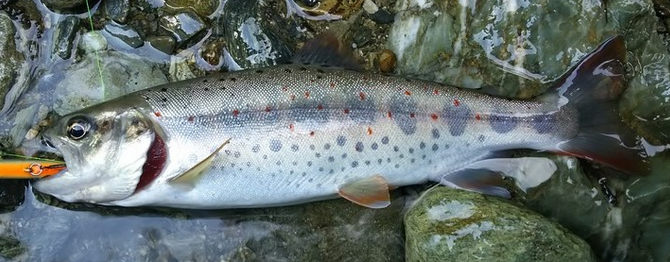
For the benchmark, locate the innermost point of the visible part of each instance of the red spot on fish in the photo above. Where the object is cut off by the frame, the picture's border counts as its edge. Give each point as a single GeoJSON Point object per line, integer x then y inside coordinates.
{"type": "Point", "coordinates": [456, 102]}
{"type": "Point", "coordinates": [361, 95]}
{"type": "Point", "coordinates": [190, 119]}
{"type": "Point", "coordinates": [267, 109]}
{"type": "Point", "coordinates": [320, 107]}
{"type": "Point", "coordinates": [307, 94]}
{"type": "Point", "coordinates": [478, 117]}
{"type": "Point", "coordinates": [236, 113]}
{"type": "Point", "coordinates": [311, 133]}
{"type": "Point", "coordinates": [332, 84]}
{"type": "Point", "coordinates": [436, 92]}
{"type": "Point", "coordinates": [369, 131]}
{"type": "Point", "coordinates": [388, 114]}
{"type": "Point", "coordinates": [407, 92]}
{"type": "Point", "coordinates": [346, 111]}
{"type": "Point", "coordinates": [411, 115]}
{"type": "Point", "coordinates": [291, 127]}
{"type": "Point", "coordinates": [158, 114]}
{"type": "Point", "coordinates": [433, 116]}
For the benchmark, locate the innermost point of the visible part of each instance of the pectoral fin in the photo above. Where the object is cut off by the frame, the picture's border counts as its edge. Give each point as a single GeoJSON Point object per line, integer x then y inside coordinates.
{"type": "Point", "coordinates": [372, 192]}
{"type": "Point", "coordinates": [192, 175]}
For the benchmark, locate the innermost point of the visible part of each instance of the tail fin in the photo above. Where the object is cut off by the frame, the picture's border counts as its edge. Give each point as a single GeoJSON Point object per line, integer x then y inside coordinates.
{"type": "Point", "coordinates": [593, 88]}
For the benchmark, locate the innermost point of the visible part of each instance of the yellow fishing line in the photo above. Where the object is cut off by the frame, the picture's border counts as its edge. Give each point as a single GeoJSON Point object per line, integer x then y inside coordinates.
{"type": "Point", "coordinates": [2, 155]}
{"type": "Point", "coordinates": [97, 57]}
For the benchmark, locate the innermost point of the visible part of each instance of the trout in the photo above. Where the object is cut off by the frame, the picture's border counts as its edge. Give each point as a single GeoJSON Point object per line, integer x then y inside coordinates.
{"type": "Point", "coordinates": [319, 128]}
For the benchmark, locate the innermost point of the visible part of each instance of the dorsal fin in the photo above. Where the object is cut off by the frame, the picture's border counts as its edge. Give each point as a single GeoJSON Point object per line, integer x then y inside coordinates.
{"type": "Point", "coordinates": [326, 50]}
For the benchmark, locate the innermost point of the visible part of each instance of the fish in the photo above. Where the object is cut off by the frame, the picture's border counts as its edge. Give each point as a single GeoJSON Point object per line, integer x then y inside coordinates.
{"type": "Point", "coordinates": [320, 128]}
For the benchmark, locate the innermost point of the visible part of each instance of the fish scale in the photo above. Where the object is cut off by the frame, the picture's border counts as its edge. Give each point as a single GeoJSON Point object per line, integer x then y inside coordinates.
{"type": "Point", "coordinates": [298, 133]}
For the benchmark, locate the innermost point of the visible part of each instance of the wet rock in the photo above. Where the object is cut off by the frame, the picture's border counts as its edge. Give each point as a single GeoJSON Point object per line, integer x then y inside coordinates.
{"type": "Point", "coordinates": [82, 84]}
{"type": "Point", "coordinates": [362, 37]}
{"type": "Point", "coordinates": [256, 34]}
{"type": "Point", "coordinates": [503, 49]}
{"type": "Point", "coordinates": [92, 41]}
{"type": "Point", "coordinates": [387, 61]}
{"type": "Point", "coordinates": [323, 9]}
{"type": "Point", "coordinates": [124, 33]}
{"type": "Point", "coordinates": [201, 7]}
{"type": "Point", "coordinates": [456, 225]}
{"type": "Point", "coordinates": [64, 35]}
{"type": "Point", "coordinates": [66, 6]}
{"type": "Point", "coordinates": [184, 27]}
{"type": "Point", "coordinates": [11, 61]}
{"type": "Point", "coordinates": [165, 44]}
{"type": "Point", "coordinates": [383, 16]}
{"type": "Point", "coordinates": [117, 10]}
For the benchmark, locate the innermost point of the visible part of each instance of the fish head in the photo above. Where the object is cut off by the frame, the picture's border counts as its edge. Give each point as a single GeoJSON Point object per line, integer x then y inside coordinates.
{"type": "Point", "coordinates": [105, 150]}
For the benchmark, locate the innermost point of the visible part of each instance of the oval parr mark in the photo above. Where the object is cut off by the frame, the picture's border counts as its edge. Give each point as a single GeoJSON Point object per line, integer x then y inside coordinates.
{"type": "Point", "coordinates": [456, 118]}
{"type": "Point", "coordinates": [403, 109]}
{"type": "Point", "coordinates": [503, 123]}
{"type": "Point", "coordinates": [544, 124]}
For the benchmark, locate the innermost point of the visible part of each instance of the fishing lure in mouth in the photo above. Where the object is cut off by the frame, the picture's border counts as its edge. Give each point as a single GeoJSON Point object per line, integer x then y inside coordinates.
{"type": "Point", "coordinates": [29, 168]}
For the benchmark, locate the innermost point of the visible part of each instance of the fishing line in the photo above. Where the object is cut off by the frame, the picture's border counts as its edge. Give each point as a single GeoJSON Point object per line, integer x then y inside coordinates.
{"type": "Point", "coordinates": [97, 57]}
{"type": "Point", "coordinates": [2, 154]}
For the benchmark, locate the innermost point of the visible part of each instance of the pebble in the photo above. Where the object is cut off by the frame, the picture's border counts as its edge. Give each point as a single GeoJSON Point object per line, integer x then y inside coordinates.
{"type": "Point", "coordinates": [387, 61]}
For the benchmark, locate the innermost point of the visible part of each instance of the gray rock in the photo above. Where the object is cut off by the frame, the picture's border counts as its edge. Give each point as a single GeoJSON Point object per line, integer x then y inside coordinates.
{"type": "Point", "coordinates": [11, 62]}
{"type": "Point", "coordinates": [64, 35]}
{"type": "Point", "coordinates": [201, 7]}
{"type": "Point", "coordinates": [124, 33]}
{"type": "Point", "coordinates": [165, 44]}
{"type": "Point", "coordinates": [93, 41]}
{"type": "Point", "coordinates": [68, 5]}
{"type": "Point", "coordinates": [121, 74]}
{"type": "Point", "coordinates": [184, 26]}
{"type": "Point", "coordinates": [256, 34]}
{"type": "Point", "coordinates": [455, 225]}
{"type": "Point", "coordinates": [117, 10]}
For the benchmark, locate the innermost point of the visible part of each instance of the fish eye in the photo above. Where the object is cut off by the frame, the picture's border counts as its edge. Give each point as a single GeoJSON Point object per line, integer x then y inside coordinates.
{"type": "Point", "coordinates": [78, 129]}
{"type": "Point", "coordinates": [310, 3]}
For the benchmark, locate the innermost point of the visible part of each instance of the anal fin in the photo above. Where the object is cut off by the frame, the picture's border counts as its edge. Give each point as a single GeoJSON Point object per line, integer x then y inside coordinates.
{"type": "Point", "coordinates": [192, 175]}
{"type": "Point", "coordinates": [372, 192]}
{"type": "Point", "coordinates": [487, 176]}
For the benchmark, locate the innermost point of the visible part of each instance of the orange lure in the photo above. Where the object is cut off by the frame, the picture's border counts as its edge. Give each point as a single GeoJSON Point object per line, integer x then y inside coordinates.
{"type": "Point", "coordinates": [29, 169]}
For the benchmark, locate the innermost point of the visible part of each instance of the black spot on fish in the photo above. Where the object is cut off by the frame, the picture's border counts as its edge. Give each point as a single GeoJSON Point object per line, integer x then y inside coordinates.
{"type": "Point", "coordinates": [331, 171]}
{"type": "Point", "coordinates": [374, 146]}
{"type": "Point", "coordinates": [379, 161]}
{"type": "Point", "coordinates": [204, 80]}
{"type": "Point", "coordinates": [312, 147]}
{"type": "Point", "coordinates": [265, 156]}
{"type": "Point", "coordinates": [411, 150]}
{"type": "Point", "coordinates": [317, 155]}
{"type": "Point", "coordinates": [294, 148]}
{"type": "Point", "coordinates": [275, 145]}
{"type": "Point", "coordinates": [164, 99]}
{"type": "Point", "coordinates": [279, 163]}
{"type": "Point", "coordinates": [457, 118]}
{"type": "Point", "coordinates": [397, 165]}
{"type": "Point", "coordinates": [388, 160]}
{"type": "Point", "coordinates": [256, 148]}
{"type": "Point", "coordinates": [435, 147]}
{"type": "Point", "coordinates": [320, 70]}
{"type": "Point", "coordinates": [367, 162]}
{"type": "Point", "coordinates": [331, 159]}
{"type": "Point", "coordinates": [259, 71]}
{"type": "Point", "coordinates": [319, 77]}
{"type": "Point", "coordinates": [236, 154]}
{"type": "Point", "coordinates": [287, 70]}
{"type": "Point", "coordinates": [385, 140]}
{"type": "Point", "coordinates": [503, 124]}
{"type": "Point", "coordinates": [222, 79]}
{"type": "Point", "coordinates": [359, 146]}
{"type": "Point", "coordinates": [164, 89]}
{"type": "Point", "coordinates": [305, 174]}
{"type": "Point", "coordinates": [344, 155]}
{"type": "Point", "coordinates": [206, 89]}
{"type": "Point", "coordinates": [412, 160]}
{"type": "Point", "coordinates": [396, 149]}
{"type": "Point", "coordinates": [341, 140]}
{"type": "Point", "coordinates": [309, 163]}
{"type": "Point", "coordinates": [446, 146]}
{"type": "Point", "coordinates": [401, 156]}
{"type": "Point", "coordinates": [481, 138]}
{"type": "Point", "coordinates": [295, 163]}
{"type": "Point", "coordinates": [402, 108]}
{"type": "Point", "coordinates": [423, 157]}
{"type": "Point", "coordinates": [233, 79]}
{"type": "Point", "coordinates": [320, 169]}
{"type": "Point", "coordinates": [326, 146]}
{"type": "Point", "coordinates": [354, 164]}
{"type": "Point", "coordinates": [436, 133]}
{"type": "Point", "coordinates": [422, 145]}
{"type": "Point", "coordinates": [302, 68]}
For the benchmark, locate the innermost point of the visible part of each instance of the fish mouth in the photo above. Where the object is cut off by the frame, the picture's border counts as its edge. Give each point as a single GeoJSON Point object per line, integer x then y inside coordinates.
{"type": "Point", "coordinates": [153, 166]}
